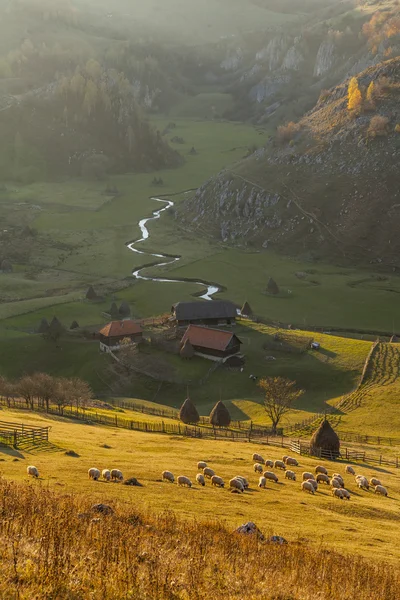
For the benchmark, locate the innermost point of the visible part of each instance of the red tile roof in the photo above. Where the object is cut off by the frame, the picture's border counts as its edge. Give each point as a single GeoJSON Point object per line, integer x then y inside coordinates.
{"type": "Point", "coordinates": [121, 329]}
{"type": "Point", "coordinates": [204, 337]}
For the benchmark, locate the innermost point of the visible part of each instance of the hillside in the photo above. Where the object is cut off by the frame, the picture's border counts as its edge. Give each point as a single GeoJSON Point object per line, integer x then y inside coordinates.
{"type": "Point", "coordinates": [325, 187]}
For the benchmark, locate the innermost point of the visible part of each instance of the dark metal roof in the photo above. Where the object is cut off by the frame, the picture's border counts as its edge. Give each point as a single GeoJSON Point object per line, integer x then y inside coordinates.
{"type": "Point", "coordinates": [214, 309]}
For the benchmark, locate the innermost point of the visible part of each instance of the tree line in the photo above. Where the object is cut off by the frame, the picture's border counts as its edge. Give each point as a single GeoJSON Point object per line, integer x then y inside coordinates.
{"type": "Point", "coordinates": [42, 390]}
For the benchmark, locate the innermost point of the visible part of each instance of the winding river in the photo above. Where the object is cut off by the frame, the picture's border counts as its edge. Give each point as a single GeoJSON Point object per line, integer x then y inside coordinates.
{"type": "Point", "coordinates": [212, 289]}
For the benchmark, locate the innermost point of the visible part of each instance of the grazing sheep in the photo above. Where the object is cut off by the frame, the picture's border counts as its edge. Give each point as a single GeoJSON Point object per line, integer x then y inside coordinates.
{"type": "Point", "coordinates": [278, 464]}
{"type": "Point", "coordinates": [269, 463]}
{"type": "Point", "coordinates": [291, 462]}
{"type": "Point", "coordinates": [217, 481]}
{"type": "Point", "coordinates": [307, 486]}
{"type": "Point", "coordinates": [258, 458]}
{"type": "Point", "coordinates": [335, 483]}
{"type": "Point", "coordinates": [182, 480]}
{"type": "Point", "coordinates": [116, 475]}
{"type": "Point", "coordinates": [270, 475]}
{"type": "Point", "coordinates": [200, 479]}
{"type": "Point", "coordinates": [290, 475]}
{"type": "Point", "coordinates": [207, 472]}
{"type": "Point", "coordinates": [243, 480]}
{"type": "Point", "coordinates": [258, 468]}
{"type": "Point", "coordinates": [346, 494]}
{"type": "Point", "coordinates": [31, 470]}
{"type": "Point", "coordinates": [306, 475]}
{"type": "Point", "coordinates": [322, 478]}
{"type": "Point", "coordinates": [380, 489]}
{"type": "Point", "coordinates": [362, 482]}
{"type": "Point", "coordinates": [284, 459]}
{"type": "Point", "coordinates": [349, 469]}
{"type": "Point", "coordinates": [313, 483]}
{"type": "Point", "coordinates": [93, 474]}
{"type": "Point", "coordinates": [168, 476]}
{"type": "Point", "coordinates": [106, 474]}
{"type": "Point", "coordinates": [338, 493]}
{"type": "Point", "coordinates": [236, 484]}
{"type": "Point", "coordinates": [201, 465]}
{"type": "Point", "coordinates": [262, 482]}
{"type": "Point", "coordinates": [338, 476]}
{"type": "Point", "coordinates": [374, 481]}
{"type": "Point", "coordinates": [321, 469]}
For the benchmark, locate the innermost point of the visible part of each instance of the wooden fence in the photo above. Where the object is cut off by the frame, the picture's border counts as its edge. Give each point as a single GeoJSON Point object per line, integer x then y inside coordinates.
{"type": "Point", "coordinates": [20, 435]}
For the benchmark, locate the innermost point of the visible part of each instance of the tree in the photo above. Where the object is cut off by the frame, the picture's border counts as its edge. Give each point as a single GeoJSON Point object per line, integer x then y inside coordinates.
{"type": "Point", "coordinates": [371, 95]}
{"type": "Point", "coordinates": [79, 392]}
{"type": "Point", "coordinates": [96, 166]}
{"type": "Point", "coordinates": [279, 396]}
{"type": "Point", "coordinates": [354, 97]}
{"type": "Point", "coordinates": [7, 389]}
{"type": "Point", "coordinates": [44, 388]}
{"type": "Point", "coordinates": [378, 126]}
{"type": "Point", "coordinates": [26, 389]}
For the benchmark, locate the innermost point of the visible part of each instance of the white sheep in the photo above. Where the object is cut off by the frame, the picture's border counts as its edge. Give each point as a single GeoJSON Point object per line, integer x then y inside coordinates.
{"type": "Point", "coordinates": [337, 493]}
{"type": "Point", "coordinates": [335, 483]}
{"type": "Point", "coordinates": [94, 474]}
{"type": "Point", "coordinates": [262, 482]}
{"type": "Point", "coordinates": [236, 484]}
{"type": "Point", "coordinates": [168, 476]}
{"type": "Point", "coordinates": [290, 475]}
{"type": "Point", "coordinates": [243, 480]}
{"type": "Point", "coordinates": [217, 481]}
{"type": "Point", "coordinates": [321, 469]}
{"type": "Point", "coordinates": [207, 472]}
{"type": "Point", "coordinates": [380, 489]}
{"type": "Point", "coordinates": [338, 476]}
{"type": "Point", "coordinates": [271, 476]}
{"type": "Point", "coordinates": [258, 458]}
{"type": "Point", "coordinates": [200, 479]}
{"type": "Point", "coordinates": [33, 471]}
{"type": "Point", "coordinates": [258, 468]}
{"type": "Point", "coordinates": [306, 475]}
{"type": "Point", "coordinates": [182, 480]}
{"type": "Point", "coordinates": [313, 483]}
{"type": "Point", "coordinates": [322, 478]}
{"type": "Point", "coordinates": [374, 481]}
{"type": "Point", "coordinates": [362, 482]}
{"type": "Point", "coordinates": [116, 475]}
{"type": "Point", "coordinates": [279, 464]}
{"type": "Point", "coordinates": [349, 469]}
{"type": "Point", "coordinates": [106, 474]}
{"type": "Point", "coordinates": [269, 463]}
{"type": "Point", "coordinates": [307, 486]}
{"type": "Point", "coordinates": [291, 462]}
{"type": "Point", "coordinates": [201, 465]}
{"type": "Point", "coordinates": [346, 493]}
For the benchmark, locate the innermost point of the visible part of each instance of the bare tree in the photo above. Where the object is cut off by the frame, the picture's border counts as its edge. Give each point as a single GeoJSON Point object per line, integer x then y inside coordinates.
{"type": "Point", "coordinates": [79, 392]}
{"type": "Point", "coordinates": [279, 396]}
{"type": "Point", "coordinates": [45, 388]}
{"type": "Point", "coordinates": [25, 387]}
{"type": "Point", "coordinates": [7, 389]}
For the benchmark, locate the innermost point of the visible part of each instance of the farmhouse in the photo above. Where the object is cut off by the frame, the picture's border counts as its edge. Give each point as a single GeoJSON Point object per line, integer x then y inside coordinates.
{"type": "Point", "coordinates": [212, 343]}
{"type": "Point", "coordinates": [112, 334]}
{"type": "Point", "coordinates": [216, 312]}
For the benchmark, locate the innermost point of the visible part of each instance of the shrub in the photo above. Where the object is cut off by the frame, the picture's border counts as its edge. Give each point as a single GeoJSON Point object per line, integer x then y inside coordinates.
{"type": "Point", "coordinates": [285, 133]}
{"type": "Point", "coordinates": [354, 96]}
{"type": "Point", "coordinates": [378, 126]}
{"type": "Point", "coordinates": [397, 128]}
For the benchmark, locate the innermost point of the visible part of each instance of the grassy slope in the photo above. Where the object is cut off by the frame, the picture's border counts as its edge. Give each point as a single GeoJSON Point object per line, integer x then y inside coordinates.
{"type": "Point", "coordinates": [318, 518]}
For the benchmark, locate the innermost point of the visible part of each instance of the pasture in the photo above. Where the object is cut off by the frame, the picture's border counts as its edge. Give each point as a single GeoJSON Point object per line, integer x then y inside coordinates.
{"type": "Point", "coordinates": [367, 525]}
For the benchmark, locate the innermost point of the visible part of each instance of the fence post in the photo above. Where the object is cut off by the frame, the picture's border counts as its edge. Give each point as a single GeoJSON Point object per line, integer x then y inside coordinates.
{"type": "Point", "coordinates": [397, 462]}
{"type": "Point", "coordinates": [380, 459]}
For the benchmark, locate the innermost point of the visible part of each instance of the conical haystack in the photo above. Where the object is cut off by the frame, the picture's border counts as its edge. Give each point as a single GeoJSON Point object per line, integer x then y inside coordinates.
{"type": "Point", "coordinates": [74, 325]}
{"type": "Point", "coordinates": [219, 416]}
{"type": "Point", "coordinates": [188, 412]}
{"type": "Point", "coordinates": [394, 339]}
{"type": "Point", "coordinates": [43, 326]}
{"type": "Point", "coordinates": [91, 294]}
{"type": "Point", "coordinates": [55, 326]}
{"type": "Point", "coordinates": [246, 310]}
{"type": "Point", "coordinates": [325, 439]}
{"type": "Point", "coordinates": [114, 311]}
{"type": "Point", "coordinates": [124, 309]}
{"type": "Point", "coordinates": [187, 350]}
{"type": "Point", "coordinates": [272, 286]}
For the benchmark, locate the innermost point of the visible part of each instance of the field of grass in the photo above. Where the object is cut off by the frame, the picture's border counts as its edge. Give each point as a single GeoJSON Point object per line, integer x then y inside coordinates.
{"type": "Point", "coordinates": [368, 524]}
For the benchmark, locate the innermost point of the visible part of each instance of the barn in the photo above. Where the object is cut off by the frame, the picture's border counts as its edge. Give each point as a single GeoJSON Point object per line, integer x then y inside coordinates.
{"type": "Point", "coordinates": [112, 334]}
{"type": "Point", "coordinates": [212, 343]}
{"type": "Point", "coordinates": [210, 313]}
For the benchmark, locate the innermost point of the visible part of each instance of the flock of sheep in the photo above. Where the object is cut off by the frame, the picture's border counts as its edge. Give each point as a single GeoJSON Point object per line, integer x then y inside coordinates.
{"type": "Point", "coordinates": [239, 483]}
{"type": "Point", "coordinates": [309, 481]}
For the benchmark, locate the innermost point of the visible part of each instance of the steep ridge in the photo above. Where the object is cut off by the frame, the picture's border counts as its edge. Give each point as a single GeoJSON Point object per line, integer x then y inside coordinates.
{"type": "Point", "coordinates": [324, 187]}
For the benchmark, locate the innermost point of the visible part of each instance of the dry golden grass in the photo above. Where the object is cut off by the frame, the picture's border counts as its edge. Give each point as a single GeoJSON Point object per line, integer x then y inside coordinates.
{"type": "Point", "coordinates": [54, 547]}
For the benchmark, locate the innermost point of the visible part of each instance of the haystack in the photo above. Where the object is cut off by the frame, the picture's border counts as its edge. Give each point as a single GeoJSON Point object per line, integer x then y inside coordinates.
{"type": "Point", "coordinates": [91, 294]}
{"type": "Point", "coordinates": [188, 412]}
{"type": "Point", "coordinates": [114, 311]}
{"type": "Point", "coordinates": [124, 309]}
{"type": "Point", "coordinates": [219, 416]}
{"type": "Point", "coordinates": [246, 310]}
{"type": "Point", "coordinates": [43, 326]}
{"type": "Point", "coordinates": [55, 326]}
{"type": "Point", "coordinates": [272, 286]}
{"type": "Point", "coordinates": [74, 325]}
{"type": "Point", "coordinates": [187, 350]}
{"type": "Point", "coordinates": [325, 439]}
{"type": "Point", "coordinates": [394, 339]}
